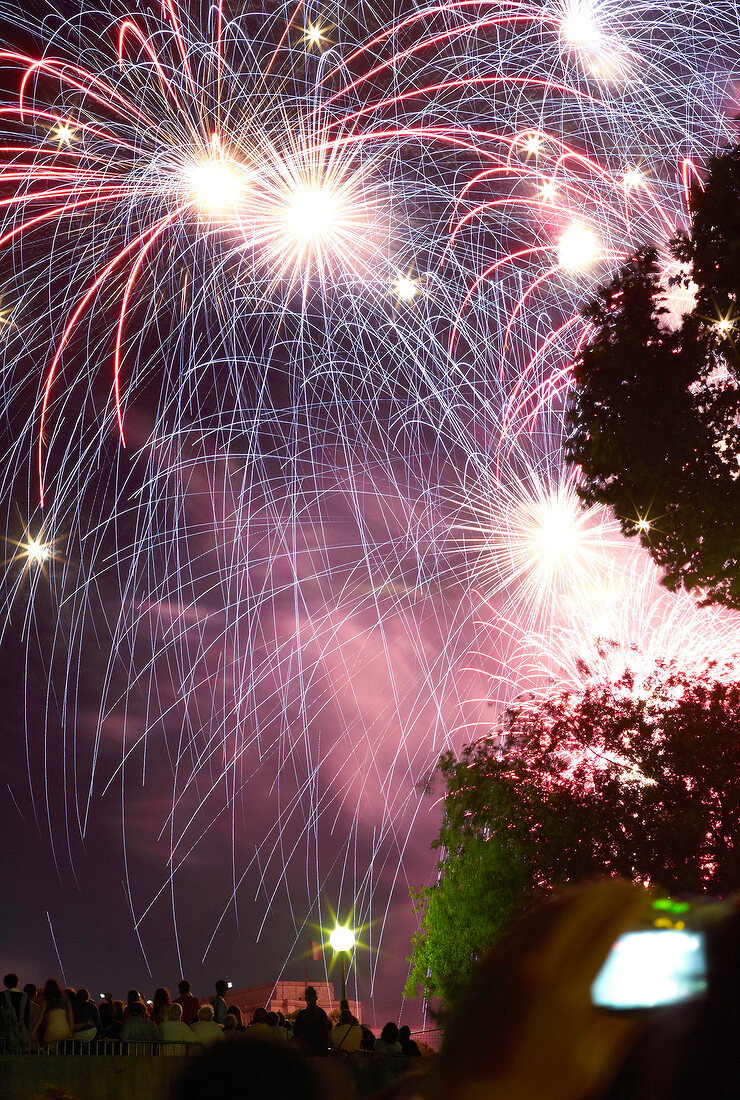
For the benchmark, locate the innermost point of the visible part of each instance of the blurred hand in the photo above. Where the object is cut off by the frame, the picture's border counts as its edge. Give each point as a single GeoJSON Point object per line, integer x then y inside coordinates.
{"type": "Point", "coordinates": [526, 1028]}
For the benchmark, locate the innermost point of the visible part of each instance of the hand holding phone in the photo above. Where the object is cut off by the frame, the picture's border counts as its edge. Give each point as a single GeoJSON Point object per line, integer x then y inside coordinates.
{"type": "Point", "coordinates": [650, 968]}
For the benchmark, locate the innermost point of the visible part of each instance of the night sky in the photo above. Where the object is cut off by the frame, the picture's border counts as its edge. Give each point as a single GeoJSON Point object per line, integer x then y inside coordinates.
{"type": "Point", "coordinates": [269, 772]}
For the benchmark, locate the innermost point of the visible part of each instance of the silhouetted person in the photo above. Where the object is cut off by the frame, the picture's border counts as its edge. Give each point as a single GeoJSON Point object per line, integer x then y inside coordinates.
{"type": "Point", "coordinates": [110, 1026]}
{"type": "Point", "coordinates": [34, 1009]}
{"type": "Point", "coordinates": [218, 1003]}
{"type": "Point", "coordinates": [408, 1046]}
{"type": "Point", "coordinates": [160, 1005]}
{"type": "Point", "coordinates": [86, 1017]}
{"type": "Point", "coordinates": [346, 1037]}
{"type": "Point", "coordinates": [388, 1042]}
{"type": "Point", "coordinates": [311, 1026]}
{"type": "Point", "coordinates": [236, 1012]}
{"type": "Point", "coordinates": [134, 998]}
{"type": "Point", "coordinates": [14, 1015]}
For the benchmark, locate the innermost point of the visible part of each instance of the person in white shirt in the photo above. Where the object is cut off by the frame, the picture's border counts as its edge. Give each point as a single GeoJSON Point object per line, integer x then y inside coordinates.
{"type": "Point", "coordinates": [174, 1029]}
{"type": "Point", "coordinates": [205, 1028]}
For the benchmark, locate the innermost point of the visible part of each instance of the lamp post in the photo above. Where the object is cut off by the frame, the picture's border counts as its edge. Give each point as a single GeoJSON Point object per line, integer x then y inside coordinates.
{"type": "Point", "coordinates": [342, 940]}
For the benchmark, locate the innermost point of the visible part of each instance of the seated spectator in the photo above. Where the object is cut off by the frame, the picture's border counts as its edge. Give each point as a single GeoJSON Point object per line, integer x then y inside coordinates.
{"type": "Point", "coordinates": [160, 1005]}
{"type": "Point", "coordinates": [231, 1027]}
{"type": "Point", "coordinates": [56, 1022]}
{"type": "Point", "coordinates": [344, 1007]}
{"type": "Point", "coordinates": [110, 1025]}
{"type": "Point", "coordinates": [92, 1007]}
{"type": "Point", "coordinates": [258, 1026]}
{"type": "Point", "coordinates": [388, 1042]}
{"type": "Point", "coordinates": [368, 1039]}
{"type": "Point", "coordinates": [347, 1035]}
{"type": "Point", "coordinates": [235, 1011]}
{"type": "Point", "coordinates": [34, 1009]}
{"type": "Point", "coordinates": [174, 1029]}
{"type": "Point", "coordinates": [218, 1002]}
{"type": "Point", "coordinates": [14, 1016]}
{"type": "Point", "coordinates": [138, 1028]}
{"type": "Point", "coordinates": [277, 1032]}
{"type": "Point", "coordinates": [189, 1003]}
{"type": "Point", "coordinates": [86, 1018]}
{"type": "Point", "coordinates": [205, 1028]}
{"type": "Point", "coordinates": [135, 998]}
{"type": "Point", "coordinates": [408, 1046]}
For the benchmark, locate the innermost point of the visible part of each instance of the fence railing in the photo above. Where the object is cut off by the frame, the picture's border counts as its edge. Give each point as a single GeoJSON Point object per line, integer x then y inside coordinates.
{"type": "Point", "coordinates": [432, 1036]}
{"type": "Point", "coordinates": [114, 1048]}
{"type": "Point", "coordinates": [117, 1048]}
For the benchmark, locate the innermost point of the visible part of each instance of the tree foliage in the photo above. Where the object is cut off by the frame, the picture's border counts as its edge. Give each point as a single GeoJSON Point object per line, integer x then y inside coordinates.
{"type": "Point", "coordinates": [636, 784]}
{"type": "Point", "coordinates": [654, 414]}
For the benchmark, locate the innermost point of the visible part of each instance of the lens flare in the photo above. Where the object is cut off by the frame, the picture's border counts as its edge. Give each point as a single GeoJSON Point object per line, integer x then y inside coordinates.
{"type": "Point", "coordinates": [37, 552]}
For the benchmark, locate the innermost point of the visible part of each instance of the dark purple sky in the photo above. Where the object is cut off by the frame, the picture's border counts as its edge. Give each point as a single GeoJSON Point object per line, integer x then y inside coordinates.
{"type": "Point", "coordinates": [271, 712]}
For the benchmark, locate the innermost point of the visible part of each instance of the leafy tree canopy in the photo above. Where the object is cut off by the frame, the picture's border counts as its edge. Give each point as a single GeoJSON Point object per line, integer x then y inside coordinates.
{"type": "Point", "coordinates": [654, 415]}
{"type": "Point", "coordinates": [640, 784]}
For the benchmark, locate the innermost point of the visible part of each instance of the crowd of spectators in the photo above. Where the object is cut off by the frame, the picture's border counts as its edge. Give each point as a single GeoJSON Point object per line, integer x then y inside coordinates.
{"type": "Point", "coordinates": [65, 1019]}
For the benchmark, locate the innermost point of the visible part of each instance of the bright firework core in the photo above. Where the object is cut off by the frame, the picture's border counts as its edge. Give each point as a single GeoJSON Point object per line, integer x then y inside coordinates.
{"type": "Point", "coordinates": [577, 247]}
{"type": "Point", "coordinates": [311, 213]}
{"type": "Point", "coordinates": [555, 534]}
{"type": "Point", "coordinates": [578, 25]}
{"type": "Point", "coordinates": [215, 185]}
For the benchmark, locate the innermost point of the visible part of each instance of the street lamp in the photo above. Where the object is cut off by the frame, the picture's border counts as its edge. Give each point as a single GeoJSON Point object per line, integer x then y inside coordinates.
{"type": "Point", "coordinates": [342, 940]}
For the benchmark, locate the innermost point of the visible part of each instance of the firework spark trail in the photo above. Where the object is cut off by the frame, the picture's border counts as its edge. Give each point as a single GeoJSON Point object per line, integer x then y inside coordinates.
{"type": "Point", "coordinates": [326, 284]}
{"type": "Point", "coordinates": [623, 623]}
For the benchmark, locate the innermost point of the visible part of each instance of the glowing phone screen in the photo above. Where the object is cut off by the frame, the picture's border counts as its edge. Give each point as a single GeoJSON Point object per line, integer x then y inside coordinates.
{"type": "Point", "coordinates": [651, 968]}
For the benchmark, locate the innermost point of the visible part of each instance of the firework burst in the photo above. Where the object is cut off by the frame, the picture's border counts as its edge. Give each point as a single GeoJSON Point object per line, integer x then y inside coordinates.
{"type": "Point", "coordinates": [289, 309]}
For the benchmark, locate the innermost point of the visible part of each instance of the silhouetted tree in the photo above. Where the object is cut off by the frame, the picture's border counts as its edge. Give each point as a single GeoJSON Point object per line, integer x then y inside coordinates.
{"type": "Point", "coordinates": [612, 780]}
{"type": "Point", "coordinates": [654, 415]}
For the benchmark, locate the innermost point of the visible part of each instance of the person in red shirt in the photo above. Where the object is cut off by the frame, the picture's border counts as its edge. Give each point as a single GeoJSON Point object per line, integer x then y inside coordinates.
{"type": "Point", "coordinates": [190, 1005]}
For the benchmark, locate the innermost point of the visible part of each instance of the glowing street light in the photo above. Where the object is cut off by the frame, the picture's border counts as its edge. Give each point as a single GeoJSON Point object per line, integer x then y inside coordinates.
{"type": "Point", "coordinates": [342, 941]}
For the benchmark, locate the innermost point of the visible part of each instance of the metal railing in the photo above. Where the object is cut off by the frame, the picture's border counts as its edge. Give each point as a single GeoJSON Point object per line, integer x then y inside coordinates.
{"type": "Point", "coordinates": [115, 1048]}
{"type": "Point", "coordinates": [432, 1036]}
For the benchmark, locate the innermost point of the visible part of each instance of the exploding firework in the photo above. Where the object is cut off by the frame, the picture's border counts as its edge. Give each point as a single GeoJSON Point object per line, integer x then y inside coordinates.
{"type": "Point", "coordinates": [288, 300]}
